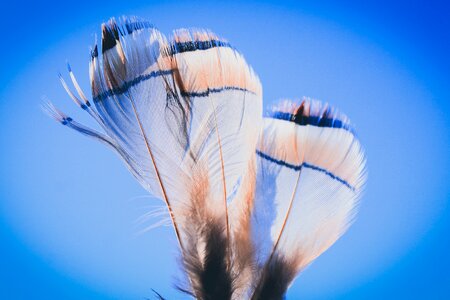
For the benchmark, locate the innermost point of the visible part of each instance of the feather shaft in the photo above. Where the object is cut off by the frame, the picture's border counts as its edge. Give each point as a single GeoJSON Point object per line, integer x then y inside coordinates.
{"type": "Point", "coordinates": [163, 189]}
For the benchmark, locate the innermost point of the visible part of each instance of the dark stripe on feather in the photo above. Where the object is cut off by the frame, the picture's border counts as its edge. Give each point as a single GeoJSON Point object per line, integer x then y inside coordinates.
{"type": "Point", "coordinates": [129, 27]}
{"type": "Point", "coordinates": [158, 295]}
{"type": "Point", "coordinates": [111, 31]}
{"type": "Point", "coordinates": [94, 52]}
{"type": "Point", "coordinates": [110, 35]}
{"type": "Point", "coordinates": [304, 165]}
{"type": "Point", "coordinates": [318, 121]}
{"type": "Point", "coordinates": [124, 87]}
{"type": "Point", "coordinates": [66, 120]}
{"type": "Point", "coordinates": [127, 85]}
{"type": "Point", "coordinates": [216, 90]}
{"type": "Point", "coordinates": [190, 46]}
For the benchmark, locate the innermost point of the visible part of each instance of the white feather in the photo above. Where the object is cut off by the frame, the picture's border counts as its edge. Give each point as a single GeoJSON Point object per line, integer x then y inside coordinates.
{"type": "Point", "coordinates": [311, 174]}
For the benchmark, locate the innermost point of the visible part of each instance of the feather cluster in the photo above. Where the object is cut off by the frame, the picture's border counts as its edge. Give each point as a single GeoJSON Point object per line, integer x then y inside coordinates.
{"type": "Point", "coordinates": [253, 200]}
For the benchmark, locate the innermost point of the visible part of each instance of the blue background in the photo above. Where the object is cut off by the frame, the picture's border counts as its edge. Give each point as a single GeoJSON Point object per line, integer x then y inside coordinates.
{"type": "Point", "coordinates": [68, 205]}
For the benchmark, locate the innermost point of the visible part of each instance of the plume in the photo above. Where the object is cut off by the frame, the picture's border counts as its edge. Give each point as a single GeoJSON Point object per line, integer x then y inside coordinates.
{"type": "Point", "coordinates": [252, 200]}
{"type": "Point", "coordinates": [311, 171]}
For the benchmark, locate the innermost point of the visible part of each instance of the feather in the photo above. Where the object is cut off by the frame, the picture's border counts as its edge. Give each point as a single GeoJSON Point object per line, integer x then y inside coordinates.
{"type": "Point", "coordinates": [184, 114]}
{"type": "Point", "coordinates": [223, 87]}
{"type": "Point", "coordinates": [252, 200]}
{"type": "Point", "coordinates": [311, 171]}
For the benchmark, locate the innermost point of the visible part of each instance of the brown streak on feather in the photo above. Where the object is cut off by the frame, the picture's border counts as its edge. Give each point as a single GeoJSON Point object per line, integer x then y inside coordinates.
{"type": "Point", "coordinates": [243, 255]}
{"type": "Point", "coordinates": [206, 251]}
{"type": "Point", "coordinates": [230, 250]}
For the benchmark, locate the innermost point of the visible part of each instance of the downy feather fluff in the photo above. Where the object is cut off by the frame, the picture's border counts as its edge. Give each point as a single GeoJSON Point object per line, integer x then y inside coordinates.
{"type": "Point", "coordinates": [252, 200]}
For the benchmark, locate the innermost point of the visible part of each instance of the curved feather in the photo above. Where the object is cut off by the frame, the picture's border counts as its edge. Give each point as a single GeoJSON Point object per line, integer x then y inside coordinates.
{"type": "Point", "coordinates": [310, 178]}
{"type": "Point", "coordinates": [217, 80]}
{"type": "Point", "coordinates": [185, 114]}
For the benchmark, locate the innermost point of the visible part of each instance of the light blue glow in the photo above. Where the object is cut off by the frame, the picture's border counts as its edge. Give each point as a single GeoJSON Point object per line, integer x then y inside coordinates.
{"type": "Point", "coordinates": [68, 205]}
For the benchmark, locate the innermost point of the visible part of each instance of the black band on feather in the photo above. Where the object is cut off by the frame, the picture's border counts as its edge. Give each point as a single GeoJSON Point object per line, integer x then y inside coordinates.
{"type": "Point", "coordinates": [319, 121]}
{"type": "Point", "coordinates": [94, 52]}
{"type": "Point", "coordinates": [275, 280]}
{"type": "Point", "coordinates": [211, 276]}
{"type": "Point", "coordinates": [128, 84]}
{"type": "Point", "coordinates": [190, 46]}
{"type": "Point", "coordinates": [130, 26]}
{"type": "Point", "coordinates": [110, 35]}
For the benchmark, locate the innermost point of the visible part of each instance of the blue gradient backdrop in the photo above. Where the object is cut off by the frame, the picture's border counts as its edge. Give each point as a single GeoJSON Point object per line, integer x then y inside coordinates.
{"type": "Point", "coordinates": [68, 206]}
